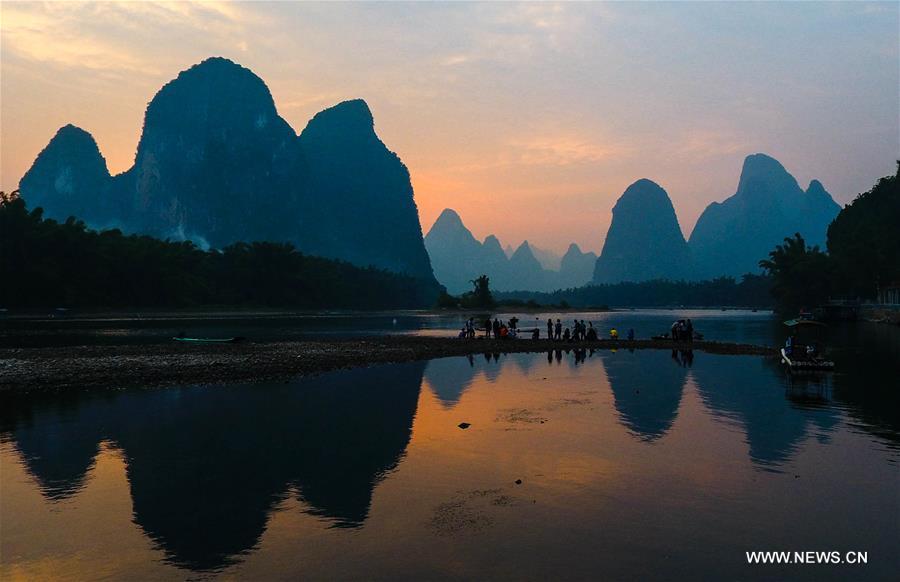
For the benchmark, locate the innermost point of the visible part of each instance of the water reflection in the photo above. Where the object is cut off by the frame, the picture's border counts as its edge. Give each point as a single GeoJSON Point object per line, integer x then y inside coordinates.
{"type": "Point", "coordinates": [618, 451]}
{"type": "Point", "coordinates": [731, 389]}
{"type": "Point", "coordinates": [647, 388]}
{"type": "Point", "coordinates": [448, 379]}
{"type": "Point", "coordinates": [206, 466]}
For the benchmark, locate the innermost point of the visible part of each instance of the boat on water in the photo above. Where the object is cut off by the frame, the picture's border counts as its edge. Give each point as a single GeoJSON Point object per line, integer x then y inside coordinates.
{"type": "Point", "coordinates": [801, 362]}
{"type": "Point", "coordinates": [207, 340]}
{"type": "Point", "coordinates": [804, 318]}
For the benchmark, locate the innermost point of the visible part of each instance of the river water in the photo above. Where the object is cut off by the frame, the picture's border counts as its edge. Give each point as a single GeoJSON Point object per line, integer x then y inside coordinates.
{"type": "Point", "coordinates": [644, 465]}
{"type": "Point", "coordinates": [97, 329]}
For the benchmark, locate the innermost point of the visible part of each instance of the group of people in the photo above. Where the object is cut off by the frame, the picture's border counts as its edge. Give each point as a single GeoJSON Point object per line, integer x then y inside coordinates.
{"type": "Point", "coordinates": [683, 330]}
{"type": "Point", "coordinates": [580, 331]}
{"type": "Point", "coordinates": [498, 329]}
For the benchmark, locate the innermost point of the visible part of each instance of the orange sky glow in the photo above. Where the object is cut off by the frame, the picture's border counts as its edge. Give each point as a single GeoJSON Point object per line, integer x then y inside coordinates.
{"type": "Point", "coordinates": [528, 119]}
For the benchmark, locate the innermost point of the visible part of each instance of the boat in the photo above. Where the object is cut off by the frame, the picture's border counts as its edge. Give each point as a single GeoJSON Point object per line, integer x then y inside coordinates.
{"type": "Point", "coordinates": [799, 321]}
{"type": "Point", "coordinates": [797, 364]}
{"type": "Point", "coordinates": [207, 340]}
{"type": "Point", "coordinates": [804, 318]}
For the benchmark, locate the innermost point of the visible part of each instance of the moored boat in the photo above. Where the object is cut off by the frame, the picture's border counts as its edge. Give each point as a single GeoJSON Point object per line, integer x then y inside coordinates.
{"type": "Point", "coordinates": [799, 363]}
{"type": "Point", "coordinates": [207, 340]}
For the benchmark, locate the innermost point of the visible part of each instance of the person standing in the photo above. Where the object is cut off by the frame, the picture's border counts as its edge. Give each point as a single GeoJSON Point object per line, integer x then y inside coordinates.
{"type": "Point", "coordinates": [496, 328]}
{"type": "Point", "coordinates": [558, 330]}
{"type": "Point", "coordinates": [689, 330]}
{"type": "Point", "coordinates": [487, 328]}
{"type": "Point", "coordinates": [549, 328]}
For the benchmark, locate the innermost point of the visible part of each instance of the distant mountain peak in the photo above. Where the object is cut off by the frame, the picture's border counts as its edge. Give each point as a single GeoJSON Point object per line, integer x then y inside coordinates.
{"type": "Point", "coordinates": [644, 240]}
{"type": "Point", "coordinates": [523, 252]}
{"type": "Point", "coordinates": [69, 131]}
{"type": "Point", "coordinates": [68, 177]}
{"type": "Point", "coordinates": [732, 236]}
{"type": "Point", "coordinates": [492, 241]}
{"type": "Point", "coordinates": [642, 193]}
{"type": "Point", "coordinates": [450, 217]}
{"type": "Point", "coordinates": [762, 175]}
{"type": "Point", "coordinates": [449, 224]}
{"type": "Point", "coordinates": [353, 116]}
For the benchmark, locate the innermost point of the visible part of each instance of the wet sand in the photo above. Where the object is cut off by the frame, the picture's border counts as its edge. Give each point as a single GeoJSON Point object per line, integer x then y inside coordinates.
{"type": "Point", "coordinates": [173, 363]}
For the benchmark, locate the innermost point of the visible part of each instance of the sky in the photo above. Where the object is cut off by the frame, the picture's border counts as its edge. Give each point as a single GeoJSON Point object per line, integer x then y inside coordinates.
{"type": "Point", "coordinates": [529, 119]}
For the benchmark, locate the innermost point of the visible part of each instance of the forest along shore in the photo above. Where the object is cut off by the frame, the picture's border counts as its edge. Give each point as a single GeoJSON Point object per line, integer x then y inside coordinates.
{"type": "Point", "coordinates": [173, 363]}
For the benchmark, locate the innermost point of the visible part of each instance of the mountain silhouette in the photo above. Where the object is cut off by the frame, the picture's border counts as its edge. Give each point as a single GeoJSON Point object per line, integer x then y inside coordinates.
{"type": "Point", "coordinates": [458, 257]}
{"type": "Point", "coordinates": [216, 164]}
{"type": "Point", "coordinates": [362, 209]}
{"type": "Point", "coordinates": [644, 241]}
{"type": "Point", "coordinates": [69, 178]}
{"type": "Point", "coordinates": [732, 236]}
{"type": "Point", "coordinates": [576, 267]}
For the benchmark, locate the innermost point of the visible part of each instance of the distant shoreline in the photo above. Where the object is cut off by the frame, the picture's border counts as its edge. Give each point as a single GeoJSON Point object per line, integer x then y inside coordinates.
{"type": "Point", "coordinates": [173, 364]}
{"type": "Point", "coordinates": [63, 315]}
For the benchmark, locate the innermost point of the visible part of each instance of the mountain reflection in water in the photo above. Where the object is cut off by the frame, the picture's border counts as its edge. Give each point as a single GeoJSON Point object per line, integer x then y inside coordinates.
{"type": "Point", "coordinates": [207, 465]}
{"type": "Point", "coordinates": [684, 452]}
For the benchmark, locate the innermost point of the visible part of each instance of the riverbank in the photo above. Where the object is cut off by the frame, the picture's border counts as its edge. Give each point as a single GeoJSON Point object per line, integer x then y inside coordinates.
{"type": "Point", "coordinates": [172, 363]}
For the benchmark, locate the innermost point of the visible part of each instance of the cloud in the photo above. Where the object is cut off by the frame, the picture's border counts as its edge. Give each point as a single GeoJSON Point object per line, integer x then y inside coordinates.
{"type": "Point", "coordinates": [114, 38]}
{"type": "Point", "coordinates": [564, 150]}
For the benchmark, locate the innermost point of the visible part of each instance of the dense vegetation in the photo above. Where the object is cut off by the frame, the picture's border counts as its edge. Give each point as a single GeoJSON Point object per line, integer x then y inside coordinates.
{"type": "Point", "coordinates": [44, 263]}
{"type": "Point", "coordinates": [751, 291]}
{"type": "Point", "coordinates": [864, 240]}
{"type": "Point", "coordinates": [863, 252]}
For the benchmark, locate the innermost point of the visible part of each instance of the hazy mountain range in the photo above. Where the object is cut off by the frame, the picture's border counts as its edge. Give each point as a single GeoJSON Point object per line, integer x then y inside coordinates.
{"type": "Point", "coordinates": [216, 164]}
{"type": "Point", "coordinates": [458, 258]}
{"type": "Point", "coordinates": [730, 237]}
{"type": "Point", "coordinates": [645, 241]}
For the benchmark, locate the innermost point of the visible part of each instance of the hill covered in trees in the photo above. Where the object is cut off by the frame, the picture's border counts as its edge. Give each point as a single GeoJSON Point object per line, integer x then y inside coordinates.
{"type": "Point", "coordinates": [751, 291]}
{"type": "Point", "coordinates": [863, 252]}
{"type": "Point", "coordinates": [45, 263]}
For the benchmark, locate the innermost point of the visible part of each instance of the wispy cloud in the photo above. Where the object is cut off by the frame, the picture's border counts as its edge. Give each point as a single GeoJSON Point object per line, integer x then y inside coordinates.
{"type": "Point", "coordinates": [564, 150]}
{"type": "Point", "coordinates": [112, 37]}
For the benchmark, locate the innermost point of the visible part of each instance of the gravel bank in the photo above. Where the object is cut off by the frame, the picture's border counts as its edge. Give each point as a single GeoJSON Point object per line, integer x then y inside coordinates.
{"type": "Point", "coordinates": [173, 363]}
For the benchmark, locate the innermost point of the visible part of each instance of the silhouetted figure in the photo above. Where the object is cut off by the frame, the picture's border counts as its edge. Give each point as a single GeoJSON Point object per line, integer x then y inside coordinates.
{"type": "Point", "coordinates": [496, 326]}
{"type": "Point", "coordinates": [487, 327]}
{"type": "Point", "coordinates": [535, 334]}
{"type": "Point", "coordinates": [689, 330]}
{"type": "Point", "coordinates": [549, 328]}
{"type": "Point", "coordinates": [566, 335]}
{"type": "Point", "coordinates": [558, 329]}
{"type": "Point", "coordinates": [631, 334]}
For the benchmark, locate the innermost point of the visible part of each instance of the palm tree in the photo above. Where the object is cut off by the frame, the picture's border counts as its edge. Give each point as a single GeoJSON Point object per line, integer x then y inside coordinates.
{"type": "Point", "coordinates": [799, 274]}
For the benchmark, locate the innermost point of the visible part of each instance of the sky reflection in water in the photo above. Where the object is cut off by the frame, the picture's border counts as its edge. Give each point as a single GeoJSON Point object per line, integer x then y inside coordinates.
{"type": "Point", "coordinates": [644, 464]}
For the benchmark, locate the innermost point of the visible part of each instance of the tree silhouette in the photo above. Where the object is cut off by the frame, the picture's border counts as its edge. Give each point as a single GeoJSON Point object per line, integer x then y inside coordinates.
{"type": "Point", "coordinates": [800, 274]}
{"type": "Point", "coordinates": [48, 264]}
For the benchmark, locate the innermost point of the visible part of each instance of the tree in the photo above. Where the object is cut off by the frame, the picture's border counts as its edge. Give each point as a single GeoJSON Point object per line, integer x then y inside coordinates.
{"type": "Point", "coordinates": [863, 240]}
{"type": "Point", "coordinates": [800, 274]}
{"type": "Point", "coordinates": [480, 296]}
